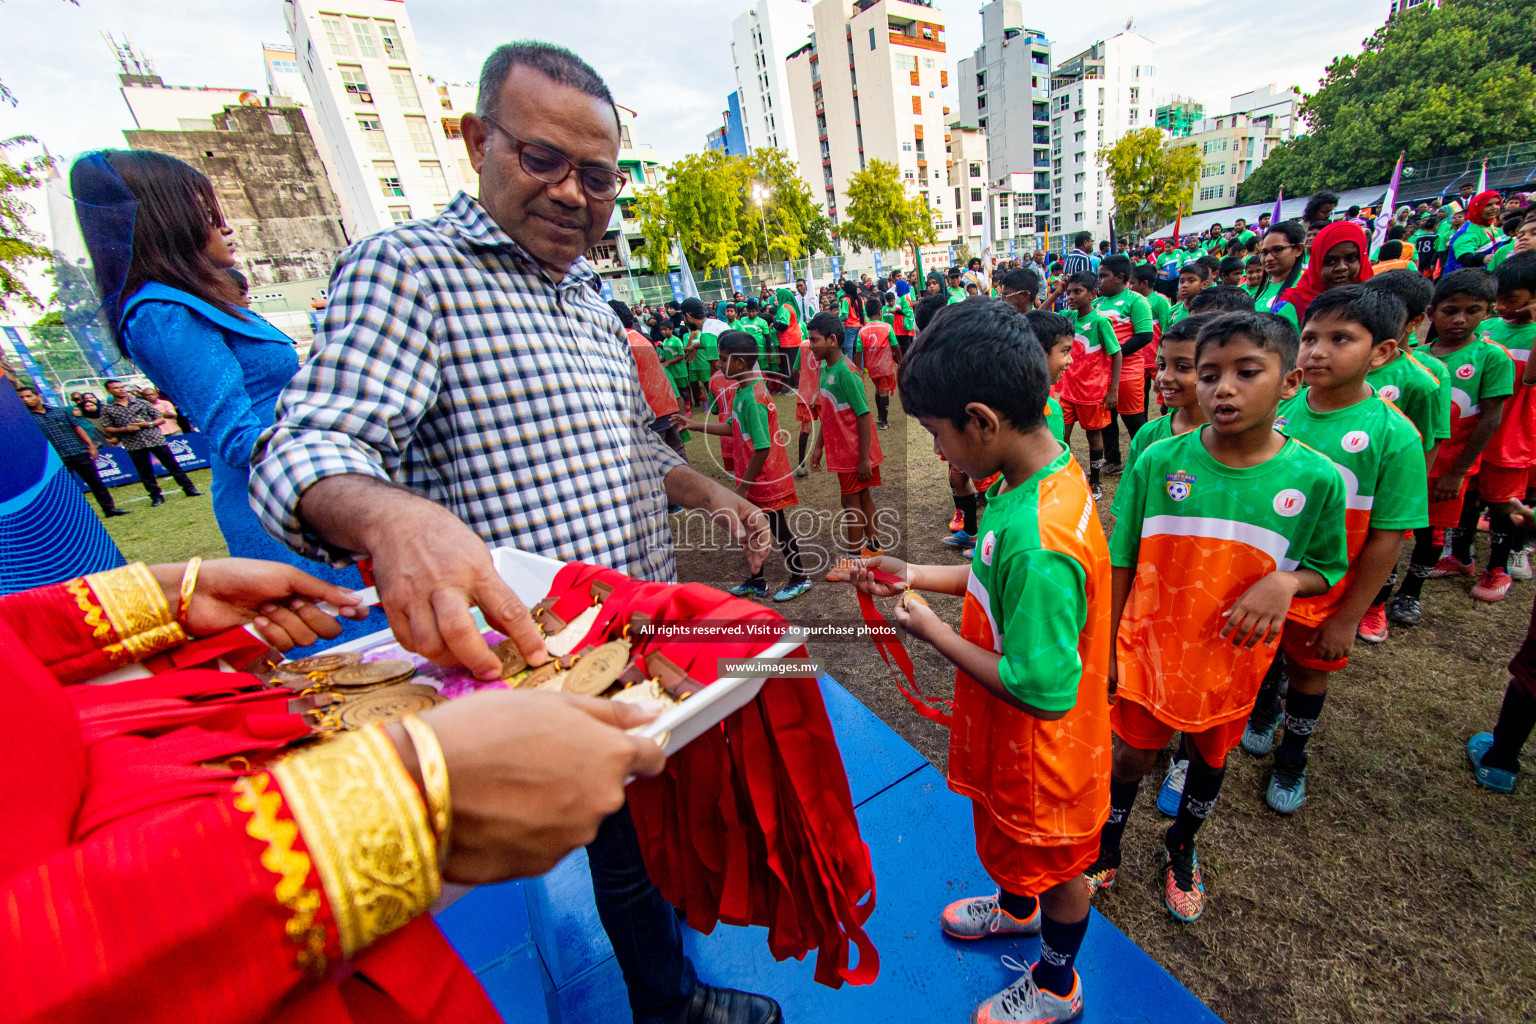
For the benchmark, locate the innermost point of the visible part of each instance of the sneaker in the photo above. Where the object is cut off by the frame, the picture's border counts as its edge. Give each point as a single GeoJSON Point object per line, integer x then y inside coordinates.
{"type": "Point", "coordinates": [192, 492]}
{"type": "Point", "coordinates": [1496, 779]}
{"type": "Point", "coordinates": [792, 591]}
{"type": "Point", "coordinates": [156, 501]}
{"type": "Point", "coordinates": [1449, 565]}
{"type": "Point", "coordinates": [960, 539]}
{"type": "Point", "coordinates": [801, 471]}
{"type": "Point", "coordinates": [751, 588]}
{"type": "Point", "coordinates": [1373, 625]}
{"type": "Point", "coordinates": [980, 917]}
{"type": "Point", "coordinates": [1183, 890]}
{"type": "Point", "coordinates": [870, 552]}
{"type": "Point", "coordinates": [1519, 565]}
{"type": "Point", "coordinates": [1112, 469]}
{"type": "Point", "coordinates": [1101, 874]}
{"type": "Point", "coordinates": [1172, 793]}
{"type": "Point", "coordinates": [1287, 788]}
{"type": "Point", "coordinates": [1259, 739]}
{"type": "Point", "coordinates": [841, 569]}
{"type": "Point", "coordinates": [1491, 586]}
{"type": "Point", "coordinates": [1098, 492]}
{"type": "Point", "coordinates": [1024, 1002]}
{"type": "Point", "coordinates": [1406, 611]}
{"type": "Point", "coordinates": [958, 523]}
{"type": "Point", "coordinates": [1482, 523]}
{"type": "Point", "coordinates": [883, 425]}
{"type": "Point", "coordinates": [113, 513]}
{"type": "Point", "coordinates": [969, 554]}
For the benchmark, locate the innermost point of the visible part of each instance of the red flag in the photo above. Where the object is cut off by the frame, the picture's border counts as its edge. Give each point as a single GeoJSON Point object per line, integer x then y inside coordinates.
{"type": "Point", "coordinates": [1176, 222]}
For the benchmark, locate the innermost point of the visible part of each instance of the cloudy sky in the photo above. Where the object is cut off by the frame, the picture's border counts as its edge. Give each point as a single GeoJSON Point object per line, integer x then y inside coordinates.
{"type": "Point", "coordinates": [668, 59]}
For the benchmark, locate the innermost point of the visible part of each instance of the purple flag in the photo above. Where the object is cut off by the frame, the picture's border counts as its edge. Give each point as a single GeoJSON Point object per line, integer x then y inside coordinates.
{"type": "Point", "coordinates": [1388, 207]}
{"type": "Point", "coordinates": [1274, 218]}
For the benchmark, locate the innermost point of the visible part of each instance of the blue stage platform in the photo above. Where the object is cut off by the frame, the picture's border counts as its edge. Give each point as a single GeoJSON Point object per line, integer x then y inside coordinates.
{"type": "Point", "coordinates": [543, 958]}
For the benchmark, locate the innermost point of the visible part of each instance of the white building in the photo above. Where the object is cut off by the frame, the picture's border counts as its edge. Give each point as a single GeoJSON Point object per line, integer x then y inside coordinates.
{"type": "Point", "coordinates": [869, 85]}
{"type": "Point", "coordinates": [286, 81]}
{"type": "Point", "coordinates": [966, 152]}
{"type": "Point", "coordinates": [1096, 97]}
{"type": "Point", "coordinates": [1005, 91]}
{"type": "Point", "coordinates": [1277, 108]}
{"type": "Point", "coordinates": [380, 114]}
{"type": "Point", "coordinates": [761, 38]}
{"type": "Point", "coordinates": [1231, 148]}
{"type": "Point", "coordinates": [157, 107]}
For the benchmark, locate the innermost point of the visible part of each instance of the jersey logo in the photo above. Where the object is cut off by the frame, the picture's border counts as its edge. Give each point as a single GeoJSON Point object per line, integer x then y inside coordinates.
{"type": "Point", "coordinates": [1180, 484]}
{"type": "Point", "coordinates": [1390, 393]}
{"type": "Point", "coordinates": [1290, 502]}
{"type": "Point", "coordinates": [1465, 371]}
{"type": "Point", "coordinates": [1355, 441]}
{"type": "Point", "coordinates": [1281, 422]}
{"type": "Point", "coordinates": [988, 547]}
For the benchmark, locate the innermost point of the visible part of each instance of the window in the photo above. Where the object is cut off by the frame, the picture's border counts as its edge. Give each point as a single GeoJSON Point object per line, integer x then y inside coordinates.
{"type": "Point", "coordinates": [451, 128]}
{"type": "Point", "coordinates": [908, 62]}
{"type": "Point", "coordinates": [1101, 136]}
{"type": "Point", "coordinates": [363, 30]}
{"type": "Point", "coordinates": [917, 104]}
{"type": "Point", "coordinates": [390, 37]}
{"type": "Point", "coordinates": [373, 135]}
{"type": "Point", "coordinates": [1078, 116]}
{"type": "Point", "coordinates": [437, 185]}
{"type": "Point", "coordinates": [421, 135]}
{"type": "Point", "coordinates": [356, 85]}
{"type": "Point", "coordinates": [1134, 112]}
{"type": "Point", "coordinates": [399, 214]}
{"type": "Point", "coordinates": [976, 218]}
{"type": "Point", "coordinates": [1101, 115]}
{"type": "Point", "coordinates": [906, 147]}
{"type": "Point", "coordinates": [1101, 96]}
{"type": "Point", "coordinates": [336, 35]}
{"type": "Point", "coordinates": [975, 170]}
{"type": "Point", "coordinates": [981, 124]}
{"type": "Point", "coordinates": [957, 199]}
{"type": "Point", "coordinates": [981, 103]}
{"type": "Point", "coordinates": [981, 80]}
{"type": "Point", "coordinates": [975, 195]}
{"type": "Point", "coordinates": [389, 177]}
{"type": "Point", "coordinates": [405, 88]}
{"type": "Point", "coordinates": [1078, 198]}
{"type": "Point", "coordinates": [871, 39]}
{"type": "Point", "coordinates": [1135, 95]}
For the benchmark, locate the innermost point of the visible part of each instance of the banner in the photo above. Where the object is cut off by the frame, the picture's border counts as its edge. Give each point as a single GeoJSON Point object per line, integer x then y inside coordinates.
{"type": "Point", "coordinates": [878, 272]}
{"type": "Point", "coordinates": [607, 290]}
{"type": "Point", "coordinates": [677, 286]}
{"type": "Point", "coordinates": [735, 278]}
{"type": "Point", "coordinates": [1011, 251]}
{"type": "Point", "coordinates": [32, 369]}
{"type": "Point", "coordinates": [837, 275]}
{"type": "Point", "coordinates": [116, 468]}
{"type": "Point", "coordinates": [789, 272]}
{"type": "Point", "coordinates": [951, 255]}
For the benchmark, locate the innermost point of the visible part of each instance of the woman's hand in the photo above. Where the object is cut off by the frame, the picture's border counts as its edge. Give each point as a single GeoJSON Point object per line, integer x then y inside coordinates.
{"type": "Point", "coordinates": [277, 599]}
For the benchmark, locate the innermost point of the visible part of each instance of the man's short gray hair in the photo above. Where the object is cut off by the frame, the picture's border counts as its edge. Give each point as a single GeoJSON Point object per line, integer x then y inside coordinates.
{"type": "Point", "coordinates": [553, 62]}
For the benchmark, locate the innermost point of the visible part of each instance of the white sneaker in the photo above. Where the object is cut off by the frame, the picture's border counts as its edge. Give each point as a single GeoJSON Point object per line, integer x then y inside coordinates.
{"type": "Point", "coordinates": [1024, 1003]}
{"type": "Point", "coordinates": [1519, 564]}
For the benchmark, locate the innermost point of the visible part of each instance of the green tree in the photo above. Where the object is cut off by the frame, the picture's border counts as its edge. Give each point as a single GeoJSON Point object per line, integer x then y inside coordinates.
{"type": "Point", "coordinates": [882, 214]}
{"type": "Point", "coordinates": [19, 244]}
{"type": "Point", "coordinates": [1451, 80]}
{"type": "Point", "coordinates": [1151, 181]}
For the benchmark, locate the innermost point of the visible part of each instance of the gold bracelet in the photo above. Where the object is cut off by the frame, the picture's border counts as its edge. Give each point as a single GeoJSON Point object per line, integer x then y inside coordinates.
{"type": "Point", "coordinates": [188, 584]}
{"type": "Point", "coordinates": [434, 780]}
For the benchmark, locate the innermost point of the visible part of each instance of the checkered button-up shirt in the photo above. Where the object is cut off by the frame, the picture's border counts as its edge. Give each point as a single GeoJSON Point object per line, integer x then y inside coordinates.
{"type": "Point", "coordinates": [450, 362]}
{"type": "Point", "coordinates": [136, 411]}
{"type": "Point", "coordinates": [58, 426]}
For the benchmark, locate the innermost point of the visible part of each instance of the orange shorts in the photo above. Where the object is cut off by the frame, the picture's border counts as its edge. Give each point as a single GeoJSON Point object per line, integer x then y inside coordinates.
{"type": "Point", "coordinates": [1294, 643]}
{"type": "Point", "coordinates": [1133, 393]}
{"type": "Point", "coordinates": [1503, 483]}
{"type": "Point", "coordinates": [1136, 725]}
{"type": "Point", "coordinates": [1092, 417]}
{"type": "Point", "coordinates": [851, 484]}
{"type": "Point", "coordinates": [1026, 870]}
{"type": "Point", "coordinates": [1447, 513]}
{"type": "Point", "coordinates": [806, 413]}
{"type": "Point", "coordinates": [885, 384]}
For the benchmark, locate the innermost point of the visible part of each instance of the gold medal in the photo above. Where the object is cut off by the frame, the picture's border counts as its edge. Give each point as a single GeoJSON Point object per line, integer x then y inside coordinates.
{"type": "Point", "coordinates": [569, 638]}
{"type": "Point", "coordinates": [328, 662]}
{"type": "Point", "coordinates": [387, 704]}
{"type": "Point", "coordinates": [512, 660]}
{"type": "Point", "coordinates": [912, 597]}
{"type": "Point", "coordinates": [371, 674]}
{"type": "Point", "coordinates": [536, 679]}
{"type": "Point", "coordinates": [597, 669]}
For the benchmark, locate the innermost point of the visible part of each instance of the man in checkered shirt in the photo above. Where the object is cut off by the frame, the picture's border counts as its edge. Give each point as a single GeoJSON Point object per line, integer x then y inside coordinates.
{"type": "Point", "coordinates": [469, 387]}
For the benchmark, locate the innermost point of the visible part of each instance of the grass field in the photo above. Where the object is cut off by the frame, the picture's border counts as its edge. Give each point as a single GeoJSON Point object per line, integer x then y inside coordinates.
{"type": "Point", "coordinates": [1402, 892]}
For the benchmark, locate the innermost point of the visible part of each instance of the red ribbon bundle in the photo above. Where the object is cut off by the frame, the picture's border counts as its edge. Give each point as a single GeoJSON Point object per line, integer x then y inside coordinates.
{"type": "Point", "coordinates": [752, 822]}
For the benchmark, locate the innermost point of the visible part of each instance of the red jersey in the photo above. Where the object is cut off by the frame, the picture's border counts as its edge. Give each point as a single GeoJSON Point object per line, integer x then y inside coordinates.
{"type": "Point", "coordinates": [878, 361]}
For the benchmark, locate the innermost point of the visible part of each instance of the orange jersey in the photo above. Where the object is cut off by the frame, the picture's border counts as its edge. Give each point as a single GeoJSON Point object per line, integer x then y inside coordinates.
{"type": "Point", "coordinates": [878, 361]}
{"type": "Point", "coordinates": [653, 376]}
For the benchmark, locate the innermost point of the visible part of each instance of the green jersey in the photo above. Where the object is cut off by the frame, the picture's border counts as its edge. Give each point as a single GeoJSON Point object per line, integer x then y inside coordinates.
{"type": "Point", "coordinates": [1176, 313]}
{"type": "Point", "coordinates": [669, 349]}
{"type": "Point", "coordinates": [1094, 345]}
{"type": "Point", "coordinates": [1053, 420]}
{"type": "Point", "coordinates": [1245, 236]}
{"type": "Point", "coordinates": [1443, 234]}
{"type": "Point", "coordinates": [1251, 289]}
{"type": "Point", "coordinates": [1414, 388]}
{"type": "Point", "coordinates": [1268, 301]}
{"type": "Point", "coordinates": [1127, 312]}
{"type": "Point", "coordinates": [1501, 254]}
{"type": "Point", "coordinates": [1160, 429]}
{"type": "Point", "coordinates": [956, 295]}
{"type": "Point", "coordinates": [1473, 240]}
{"type": "Point", "coordinates": [1159, 304]}
{"type": "Point", "coordinates": [1477, 371]}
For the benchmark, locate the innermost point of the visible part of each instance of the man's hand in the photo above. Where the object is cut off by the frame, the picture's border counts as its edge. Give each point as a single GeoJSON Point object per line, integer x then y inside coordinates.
{"type": "Point", "coordinates": [1112, 400]}
{"type": "Point", "coordinates": [919, 620]}
{"type": "Point", "coordinates": [92, 452]}
{"type": "Point", "coordinates": [1335, 638]}
{"type": "Point", "coordinates": [1445, 488]}
{"type": "Point", "coordinates": [1261, 610]}
{"type": "Point", "coordinates": [532, 775]}
{"type": "Point", "coordinates": [277, 599]}
{"type": "Point", "coordinates": [865, 469]}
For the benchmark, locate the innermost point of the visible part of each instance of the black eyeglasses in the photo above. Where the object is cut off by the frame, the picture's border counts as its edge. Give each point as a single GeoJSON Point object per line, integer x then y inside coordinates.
{"type": "Point", "coordinates": [552, 167]}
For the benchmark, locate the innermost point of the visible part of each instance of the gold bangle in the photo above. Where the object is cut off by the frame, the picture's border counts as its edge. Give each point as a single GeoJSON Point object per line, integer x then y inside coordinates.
{"type": "Point", "coordinates": [188, 584]}
{"type": "Point", "coordinates": [434, 779]}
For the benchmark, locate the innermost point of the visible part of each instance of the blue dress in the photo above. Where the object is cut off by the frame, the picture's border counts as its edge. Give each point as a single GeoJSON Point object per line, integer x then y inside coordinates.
{"type": "Point", "coordinates": [225, 374]}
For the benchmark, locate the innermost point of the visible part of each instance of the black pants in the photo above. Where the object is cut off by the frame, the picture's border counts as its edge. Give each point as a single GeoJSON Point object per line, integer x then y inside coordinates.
{"type": "Point", "coordinates": [85, 469]}
{"type": "Point", "coordinates": [140, 457]}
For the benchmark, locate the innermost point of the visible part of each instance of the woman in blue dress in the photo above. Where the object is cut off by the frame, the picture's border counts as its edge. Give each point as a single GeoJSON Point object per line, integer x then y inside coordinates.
{"type": "Point", "coordinates": [161, 252]}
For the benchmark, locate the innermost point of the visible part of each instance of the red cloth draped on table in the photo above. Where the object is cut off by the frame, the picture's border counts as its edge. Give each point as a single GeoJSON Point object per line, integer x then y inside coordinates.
{"type": "Point", "coordinates": [752, 822]}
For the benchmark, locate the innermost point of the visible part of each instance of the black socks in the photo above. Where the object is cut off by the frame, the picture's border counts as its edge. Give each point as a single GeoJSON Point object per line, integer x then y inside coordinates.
{"type": "Point", "coordinates": [1122, 796]}
{"type": "Point", "coordinates": [1200, 789]}
{"type": "Point", "coordinates": [1517, 716]}
{"type": "Point", "coordinates": [966, 503]}
{"type": "Point", "coordinates": [1301, 714]}
{"type": "Point", "coordinates": [1425, 554]}
{"type": "Point", "coordinates": [882, 407]}
{"type": "Point", "coordinates": [1059, 943]}
{"type": "Point", "coordinates": [1019, 907]}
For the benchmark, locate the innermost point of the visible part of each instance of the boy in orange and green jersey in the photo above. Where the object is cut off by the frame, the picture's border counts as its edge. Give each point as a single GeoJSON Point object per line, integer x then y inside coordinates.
{"type": "Point", "coordinates": [1222, 527]}
{"type": "Point", "coordinates": [1349, 331]}
{"type": "Point", "coordinates": [1131, 317]}
{"type": "Point", "coordinates": [1091, 385]}
{"type": "Point", "coordinates": [1482, 377]}
{"type": "Point", "coordinates": [1175, 382]}
{"type": "Point", "coordinates": [1029, 741]}
{"type": "Point", "coordinates": [847, 435]}
{"type": "Point", "coordinates": [1056, 337]}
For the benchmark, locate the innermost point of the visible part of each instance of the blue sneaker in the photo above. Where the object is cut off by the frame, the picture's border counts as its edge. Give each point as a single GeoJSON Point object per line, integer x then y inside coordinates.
{"type": "Point", "coordinates": [960, 539]}
{"type": "Point", "coordinates": [1496, 779]}
{"type": "Point", "coordinates": [1172, 793]}
{"type": "Point", "coordinates": [1287, 789]}
{"type": "Point", "coordinates": [1260, 740]}
{"type": "Point", "coordinates": [751, 588]}
{"type": "Point", "coordinates": [792, 591]}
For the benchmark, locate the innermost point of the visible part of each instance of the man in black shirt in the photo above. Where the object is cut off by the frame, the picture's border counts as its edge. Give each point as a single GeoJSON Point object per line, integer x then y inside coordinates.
{"type": "Point", "coordinates": [136, 425]}
{"type": "Point", "coordinates": [73, 445]}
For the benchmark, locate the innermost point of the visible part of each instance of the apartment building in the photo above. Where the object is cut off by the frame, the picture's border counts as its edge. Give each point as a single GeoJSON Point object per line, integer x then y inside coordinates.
{"type": "Point", "coordinates": [1231, 148]}
{"type": "Point", "coordinates": [761, 37]}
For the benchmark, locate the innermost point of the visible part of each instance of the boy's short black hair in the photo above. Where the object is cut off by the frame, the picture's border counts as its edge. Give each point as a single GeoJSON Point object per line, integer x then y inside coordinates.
{"type": "Point", "coordinates": [1118, 265]}
{"type": "Point", "coordinates": [1376, 309]}
{"type": "Point", "coordinates": [873, 307]}
{"type": "Point", "coordinates": [1253, 261]}
{"type": "Point", "coordinates": [623, 312]}
{"type": "Point", "coordinates": [1232, 265]}
{"type": "Point", "coordinates": [1049, 327]}
{"type": "Point", "coordinates": [1516, 273]}
{"type": "Point", "coordinates": [1411, 287]}
{"type": "Point", "coordinates": [1188, 329]}
{"type": "Point", "coordinates": [1391, 249]}
{"type": "Point", "coordinates": [1086, 279]}
{"type": "Point", "coordinates": [738, 343]}
{"type": "Point", "coordinates": [1144, 273]}
{"type": "Point", "coordinates": [27, 387]}
{"type": "Point", "coordinates": [1266, 330]}
{"type": "Point", "coordinates": [1224, 298]}
{"type": "Point", "coordinates": [825, 324]}
{"type": "Point", "coordinates": [1082, 240]}
{"type": "Point", "coordinates": [1197, 268]}
{"type": "Point", "coordinates": [1473, 281]}
{"type": "Point", "coordinates": [982, 351]}
{"type": "Point", "coordinates": [1021, 280]}
{"type": "Point", "coordinates": [1210, 262]}
{"type": "Point", "coordinates": [927, 308]}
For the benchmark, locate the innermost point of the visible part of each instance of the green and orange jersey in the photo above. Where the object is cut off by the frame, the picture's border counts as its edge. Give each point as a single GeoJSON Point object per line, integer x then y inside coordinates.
{"type": "Point", "coordinates": [1086, 381]}
{"type": "Point", "coordinates": [1129, 314]}
{"type": "Point", "coordinates": [1409, 383]}
{"type": "Point", "coordinates": [755, 427]}
{"type": "Point", "coordinates": [1476, 372]}
{"type": "Point", "coordinates": [1160, 429]}
{"type": "Point", "coordinates": [842, 402]}
{"type": "Point", "coordinates": [1380, 455]}
{"type": "Point", "coordinates": [1038, 595]}
{"type": "Point", "coordinates": [1513, 444]}
{"type": "Point", "coordinates": [1198, 534]}
{"type": "Point", "coordinates": [1053, 419]}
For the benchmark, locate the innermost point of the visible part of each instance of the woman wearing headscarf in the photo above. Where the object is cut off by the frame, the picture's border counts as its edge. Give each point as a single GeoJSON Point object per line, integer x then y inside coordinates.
{"type": "Point", "coordinates": [160, 249]}
{"type": "Point", "coordinates": [786, 324]}
{"type": "Point", "coordinates": [1476, 240]}
{"type": "Point", "coordinates": [1338, 258]}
